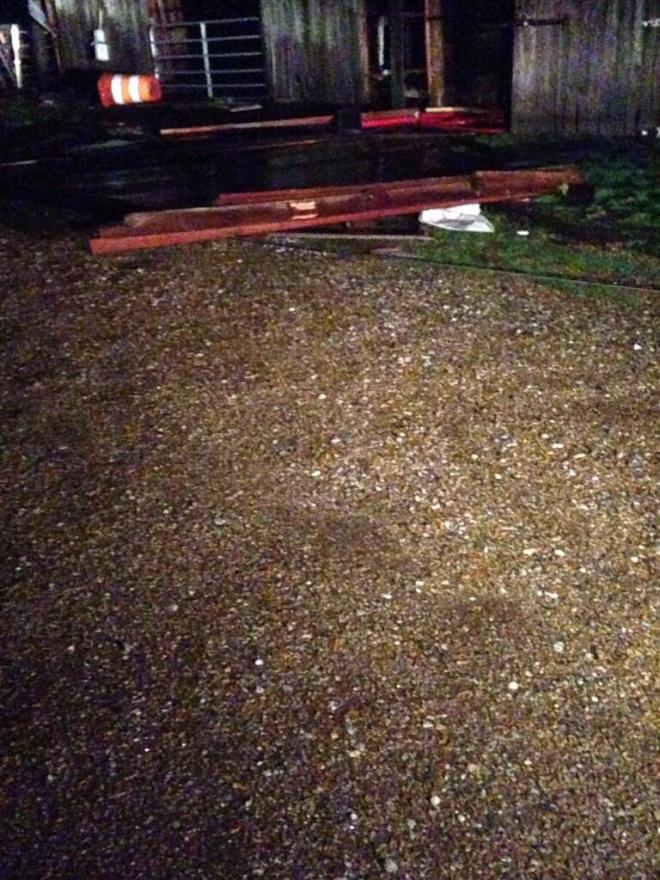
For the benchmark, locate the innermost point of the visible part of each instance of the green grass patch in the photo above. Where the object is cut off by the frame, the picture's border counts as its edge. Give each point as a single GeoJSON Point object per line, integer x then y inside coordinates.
{"type": "Point", "coordinates": [614, 238]}
{"type": "Point", "coordinates": [540, 254]}
{"type": "Point", "coordinates": [626, 200]}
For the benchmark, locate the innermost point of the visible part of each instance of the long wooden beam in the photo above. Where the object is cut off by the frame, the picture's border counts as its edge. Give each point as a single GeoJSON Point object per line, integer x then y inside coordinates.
{"type": "Point", "coordinates": [228, 127]}
{"type": "Point", "coordinates": [483, 121]}
{"type": "Point", "coordinates": [305, 208]}
{"type": "Point", "coordinates": [494, 178]}
{"type": "Point", "coordinates": [396, 116]}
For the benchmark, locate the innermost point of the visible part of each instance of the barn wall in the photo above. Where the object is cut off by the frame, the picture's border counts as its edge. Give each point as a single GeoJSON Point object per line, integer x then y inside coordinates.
{"type": "Point", "coordinates": [125, 23]}
{"type": "Point", "coordinates": [164, 11]}
{"type": "Point", "coordinates": [598, 74]}
{"type": "Point", "coordinates": [313, 50]}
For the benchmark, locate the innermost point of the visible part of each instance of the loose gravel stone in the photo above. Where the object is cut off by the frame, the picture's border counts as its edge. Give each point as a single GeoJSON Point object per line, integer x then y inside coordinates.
{"type": "Point", "coordinates": [268, 610]}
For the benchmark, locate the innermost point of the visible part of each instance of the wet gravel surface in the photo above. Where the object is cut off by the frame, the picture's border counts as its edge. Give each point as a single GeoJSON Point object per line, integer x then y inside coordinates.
{"type": "Point", "coordinates": [323, 569]}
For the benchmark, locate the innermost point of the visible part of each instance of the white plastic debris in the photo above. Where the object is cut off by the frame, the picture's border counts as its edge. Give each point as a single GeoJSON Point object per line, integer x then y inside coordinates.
{"type": "Point", "coordinates": [460, 218]}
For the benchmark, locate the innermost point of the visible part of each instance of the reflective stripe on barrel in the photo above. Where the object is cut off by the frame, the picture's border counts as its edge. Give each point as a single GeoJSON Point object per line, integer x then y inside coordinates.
{"type": "Point", "coordinates": [117, 89]}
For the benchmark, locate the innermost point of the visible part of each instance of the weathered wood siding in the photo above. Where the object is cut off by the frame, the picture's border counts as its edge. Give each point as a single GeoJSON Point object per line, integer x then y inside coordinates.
{"type": "Point", "coordinates": [313, 50]}
{"type": "Point", "coordinates": [164, 11]}
{"type": "Point", "coordinates": [597, 74]}
{"type": "Point", "coordinates": [126, 26]}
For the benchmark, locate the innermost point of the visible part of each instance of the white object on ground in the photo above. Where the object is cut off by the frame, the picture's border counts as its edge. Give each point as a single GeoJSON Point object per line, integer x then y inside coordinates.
{"type": "Point", "coordinates": [460, 218]}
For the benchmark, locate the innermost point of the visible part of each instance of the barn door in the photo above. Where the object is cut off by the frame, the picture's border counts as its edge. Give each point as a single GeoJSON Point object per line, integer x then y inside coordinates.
{"type": "Point", "coordinates": [594, 68]}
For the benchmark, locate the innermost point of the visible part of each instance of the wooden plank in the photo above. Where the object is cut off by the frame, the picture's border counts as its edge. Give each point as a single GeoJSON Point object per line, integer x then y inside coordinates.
{"type": "Point", "coordinates": [435, 50]}
{"type": "Point", "coordinates": [565, 173]}
{"type": "Point", "coordinates": [162, 228]}
{"type": "Point", "coordinates": [263, 197]}
{"type": "Point", "coordinates": [535, 64]}
{"type": "Point", "coordinates": [294, 122]}
{"type": "Point", "coordinates": [363, 43]}
{"type": "Point", "coordinates": [460, 117]}
{"type": "Point", "coordinates": [228, 127]}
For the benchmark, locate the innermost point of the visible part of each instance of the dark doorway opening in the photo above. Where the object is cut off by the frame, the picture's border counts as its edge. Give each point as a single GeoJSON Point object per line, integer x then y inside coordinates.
{"type": "Point", "coordinates": [479, 55]}
{"type": "Point", "coordinates": [439, 53]}
{"type": "Point", "coordinates": [211, 9]}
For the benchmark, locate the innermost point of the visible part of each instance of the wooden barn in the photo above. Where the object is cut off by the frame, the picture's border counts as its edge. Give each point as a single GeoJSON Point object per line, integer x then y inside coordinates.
{"type": "Point", "coordinates": [596, 69]}
{"type": "Point", "coordinates": [556, 66]}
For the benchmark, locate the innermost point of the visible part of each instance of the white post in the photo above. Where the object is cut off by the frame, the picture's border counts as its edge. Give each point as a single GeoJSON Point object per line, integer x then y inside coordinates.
{"type": "Point", "coordinates": [207, 60]}
{"type": "Point", "coordinates": [382, 27]}
{"type": "Point", "coordinates": [16, 52]}
{"type": "Point", "coordinates": [153, 43]}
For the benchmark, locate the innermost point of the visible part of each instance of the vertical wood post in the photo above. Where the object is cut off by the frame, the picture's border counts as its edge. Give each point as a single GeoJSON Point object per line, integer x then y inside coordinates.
{"type": "Point", "coordinates": [207, 60]}
{"type": "Point", "coordinates": [153, 46]}
{"type": "Point", "coordinates": [397, 51]}
{"type": "Point", "coordinates": [363, 42]}
{"type": "Point", "coordinates": [51, 15]}
{"type": "Point", "coordinates": [435, 51]}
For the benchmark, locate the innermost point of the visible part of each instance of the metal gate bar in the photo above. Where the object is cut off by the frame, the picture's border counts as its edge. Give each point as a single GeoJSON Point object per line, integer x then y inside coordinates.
{"type": "Point", "coordinates": [200, 41]}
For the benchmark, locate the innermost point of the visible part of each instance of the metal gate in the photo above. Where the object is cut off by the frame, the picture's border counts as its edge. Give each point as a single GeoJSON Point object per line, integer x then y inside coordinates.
{"type": "Point", "coordinates": [220, 58]}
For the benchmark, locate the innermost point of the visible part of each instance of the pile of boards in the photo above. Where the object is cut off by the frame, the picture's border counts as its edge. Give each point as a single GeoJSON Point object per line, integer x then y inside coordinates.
{"type": "Point", "coordinates": [261, 213]}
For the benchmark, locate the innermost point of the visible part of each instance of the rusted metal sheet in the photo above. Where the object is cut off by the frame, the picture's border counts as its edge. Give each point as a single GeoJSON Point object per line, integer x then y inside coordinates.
{"type": "Point", "coordinates": [300, 209]}
{"type": "Point", "coordinates": [586, 68]}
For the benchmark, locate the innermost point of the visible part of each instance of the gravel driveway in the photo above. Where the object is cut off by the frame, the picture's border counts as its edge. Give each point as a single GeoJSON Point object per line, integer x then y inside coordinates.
{"type": "Point", "coordinates": [323, 569]}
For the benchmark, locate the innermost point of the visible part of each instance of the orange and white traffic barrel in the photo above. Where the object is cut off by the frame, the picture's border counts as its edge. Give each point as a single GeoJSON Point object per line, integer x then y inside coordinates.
{"type": "Point", "coordinates": [116, 89]}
